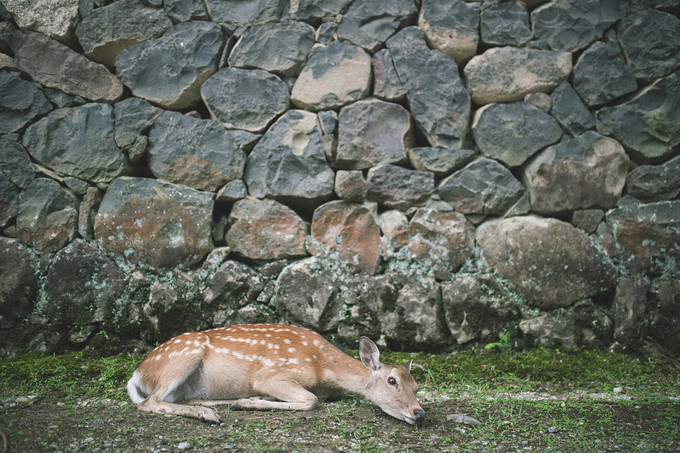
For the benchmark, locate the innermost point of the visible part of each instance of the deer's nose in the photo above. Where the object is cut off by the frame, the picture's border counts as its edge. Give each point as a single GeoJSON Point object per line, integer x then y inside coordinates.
{"type": "Point", "coordinates": [419, 415]}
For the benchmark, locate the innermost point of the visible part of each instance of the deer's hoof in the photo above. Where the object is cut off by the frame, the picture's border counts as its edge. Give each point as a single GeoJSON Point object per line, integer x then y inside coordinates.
{"type": "Point", "coordinates": [208, 415]}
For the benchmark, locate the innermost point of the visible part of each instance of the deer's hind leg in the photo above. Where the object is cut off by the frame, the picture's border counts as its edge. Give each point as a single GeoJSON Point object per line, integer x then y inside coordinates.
{"type": "Point", "coordinates": [171, 388]}
{"type": "Point", "coordinates": [287, 394]}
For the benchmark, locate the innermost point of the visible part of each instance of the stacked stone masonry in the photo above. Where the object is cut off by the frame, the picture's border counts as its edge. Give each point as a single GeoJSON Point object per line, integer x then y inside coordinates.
{"type": "Point", "coordinates": [430, 173]}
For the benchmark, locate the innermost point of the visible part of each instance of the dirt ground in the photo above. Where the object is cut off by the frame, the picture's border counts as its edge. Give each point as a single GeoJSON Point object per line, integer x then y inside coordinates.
{"type": "Point", "coordinates": [516, 423]}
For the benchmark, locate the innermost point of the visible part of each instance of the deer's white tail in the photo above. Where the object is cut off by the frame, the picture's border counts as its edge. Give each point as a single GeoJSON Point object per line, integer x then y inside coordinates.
{"type": "Point", "coordinates": [134, 390]}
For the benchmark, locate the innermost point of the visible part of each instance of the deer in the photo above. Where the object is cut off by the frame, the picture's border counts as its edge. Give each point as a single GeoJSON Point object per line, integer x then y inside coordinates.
{"type": "Point", "coordinates": [266, 367]}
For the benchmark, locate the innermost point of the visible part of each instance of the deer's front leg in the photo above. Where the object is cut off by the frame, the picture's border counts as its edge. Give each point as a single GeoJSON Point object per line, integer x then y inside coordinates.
{"type": "Point", "coordinates": [290, 395]}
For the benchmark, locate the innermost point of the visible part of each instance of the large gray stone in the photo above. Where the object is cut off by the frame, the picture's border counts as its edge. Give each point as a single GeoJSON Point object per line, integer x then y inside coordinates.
{"type": "Point", "coordinates": [505, 24]}
{"type": "Point", "coordinates": [281, 48]}
{"type": "Point", "coordinates": [53, 18]}
{"type": "Point", "coordinates": [581, 173]}
{"type": "Point", "coordinates": [133, 117]}
{"type": "Point", "coordinates": [265, 230]}
{"type": "Point", "coordinates": [104, 32]}
{"type": "Point", "coordinates": [307, 294]}
{"type": "Point", "coordinates": [245, 12]}
{"type": "Point", "coordinates": [549, 262]}
{"type": "Point", "coordinates": [18, 282]}
{"type": "Point", "coordinates": [232, 286]}
{"type": "Point", "coordinates": [54, 65]}
{"type": "Point", "coordinates": [511, 133]}
{"type": "Point", "coordinates": [630, 303]}
{"type": "Point", "coordinates": [478, 308]}
{"type": "Point", "coordinates": [399, 188]}
{"type": "Point", "coordinates": [438, 100]}
{"type": "Point", "coordinates": [351, 231]}
{"type": "Point", "coordinates": [335, 75]}
{"type": "Point", "coordinates": [440, 161]}
{"type": "Point", "coordinates": [506, 74]}
{"type": "Point", "coordinates": [482, 187]}
{"type": "Point", "coordinates": [655, 182]}
{"type": "Point", "coordinates": [648, 235]}
{"type": "Point", "coordinates": [20, 102]}
{"type": "Point", "coordinates": [451, 26]}
{"type": "Point", "coordinates": [316, 10]}
{"type": "Point", "coordinates": [648, 124]}
{"type": "Point", "coordinates": [16, 173]}
{"type": "Point", "coordinates": [232, 93]}
{"type": "Point", "coordinates": [81, 287]}
{"type": "Point", "coordinates": [185, 10]}
{"type": "Point", "coordinates": [664, 309]}
{"type": "Point", "coordinates": [386, 83]}
{"type": "Point", "coordinates": [155, 223]}
{"type": "Point", "coordinates": [78, 142]}
{"type": "Point", "coordinates": [193, 152]}
{"type": "Point", "coordinates": [289, 164]}
{"type": "Point", "coordinates": [600, 75]}
{"type": "Point", "coordinates": [571, 25]}
{"type": "Point", "coordinates": [47, 218]}
{"type": "Point", "coordinates": [570, 111]}
{"type": "Point", "coordinates": [384, 139]}
{"type": "Point", "coordinates": [650, 41]}
{"type": "Point", "coordinates": [169, 70]}
{"type": "Point", "coordinates": [369, 23]}
{"type": "Point", "coordinates": [444, 237]}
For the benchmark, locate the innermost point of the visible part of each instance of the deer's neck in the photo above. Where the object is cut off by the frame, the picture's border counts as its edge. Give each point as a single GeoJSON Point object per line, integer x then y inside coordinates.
{"type": "Point", "coordinates": [347, 373]}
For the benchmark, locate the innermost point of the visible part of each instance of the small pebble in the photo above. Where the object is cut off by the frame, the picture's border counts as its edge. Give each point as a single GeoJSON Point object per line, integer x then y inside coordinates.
{"type": "Point", "coordinates": [183, 446]}
{"type": "Point", "coordinates": [552, 429]}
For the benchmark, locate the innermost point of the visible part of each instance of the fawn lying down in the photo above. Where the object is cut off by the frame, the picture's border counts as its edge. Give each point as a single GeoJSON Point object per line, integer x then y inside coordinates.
{"type": "Point", "coordinates": [265, 366]}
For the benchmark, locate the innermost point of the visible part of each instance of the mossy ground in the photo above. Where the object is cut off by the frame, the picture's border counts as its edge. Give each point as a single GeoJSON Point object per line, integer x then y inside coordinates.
{"type": "Point", "coordinates": [538, 400]}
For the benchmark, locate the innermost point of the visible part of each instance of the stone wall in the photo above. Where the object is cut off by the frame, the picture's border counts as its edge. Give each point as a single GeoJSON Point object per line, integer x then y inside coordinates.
{"type": "Point", "coordinates": [431, 174]}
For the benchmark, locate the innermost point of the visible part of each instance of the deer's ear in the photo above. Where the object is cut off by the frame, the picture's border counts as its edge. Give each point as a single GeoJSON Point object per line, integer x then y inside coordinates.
{"type": "Point", "coordinates": [369, 354]}
{"type": "Point", "coordinates": [408, 364]}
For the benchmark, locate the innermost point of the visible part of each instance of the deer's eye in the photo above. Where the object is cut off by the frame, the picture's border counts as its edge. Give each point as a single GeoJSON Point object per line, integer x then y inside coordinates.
{"type": "Point", "coordinates": [392, 381]}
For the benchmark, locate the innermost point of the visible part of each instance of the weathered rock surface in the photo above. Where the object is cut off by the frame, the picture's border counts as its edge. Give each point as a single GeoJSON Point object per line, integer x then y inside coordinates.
{"type": "Point", "coordinates": [306, 293]}
{"type": "Point", "coordinates": [350, 185]}
{"type": "Point", "coordinates": [664, 306]}
{"type": "Point", "coordinates": [193, 152]}
{"type": "Point", "coordinates": [383, 140]}
{"type": "Point", "coordinates": [78, 142]}
{"type": "Point", "coordinates": [395, 229]}
{"type": "Point", "coordinates": [133, 117]}
{"type": "Point", "coordinates": [386, 83]}
{"type": "Point", "coordinates": [20, 282]}
{"type": "Point", "coordinates": [600, 75]}
{"type": "Point", "coordinates": [82, 286]}
{"type": "Point", "coordinates": [478, 308]}
{"type": "Point", "coordinates": [104, 32]}
{"type": "Point", "coordinates": [369, 23]}
{"type": "Point", "coordinates": [581, 173]}
{"type": "Point", "coordinates": [185, 10]}
{"type": "Point", "coordinates": [53, 18]}
{"type": "Point", "coordinates": [511, 133]}
{"type": "Point", "coordinates": [438, 100]}
{"type": "Point", "coordinates": [482, 187]}
{"type": "Point", "coordinates": [265, 230]}
{"type": "Point", "coordinates": [47, 216]}
{"type": "Point", "coordinates": [570, 111]}
{"type": "Point", "coordinates": [248, 99]}
{"type": "Point", "coordinates": [245, 12]}
{"type": "Point", "coordinates": [443, 237]}
{"type": "Point", "coordinates": [648, 124]}
{"type": "Point", "coordinates": [451, 26]}
{"type": "Point", "coordinates": [155, 223]}
{"type": "Point", "coordinates": [16, 173]}
{"type": "Point", "coordinates": [507, 74]}
{"type": "Point", "coordinates": [630, 303]}
{"type": "Point", "coordinates": [440, 161]}
{"type": "Point", "coordinates": [648, 234]}
{"type": "Point", "coordinates": [232, 286]}
{"type": "Point", "coordinates": [168, 71]}
{"type": "Point", "coordinates": [650, 41]}
{"type": "Point", "coordinates": [280, 48]}
{"type": "Point", "coordinates": [20, 102]}
{"type": "Point", "coordinates": [505, 24]}
{"type": "Point", "coordinates": [335, 75]}
{"type": "Point", "coordinates": [56, 66]}
{"type": "Point", "coordinates": [571, 25]}
{"type": "Point", "coordinates": [350, 230]}
{"type": "Point", "coordinates": [584, 326]}
{"type": "Point", "coordinates": [655, 182]}
{"type": "Point", "coordinates": [289, 164]}
{"type": "Point", "coordinates": [317, 10]}
{"type": "Point", "coordinates": [399, 188]}
{"type": "Point", "coordinates": [547, 261]}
